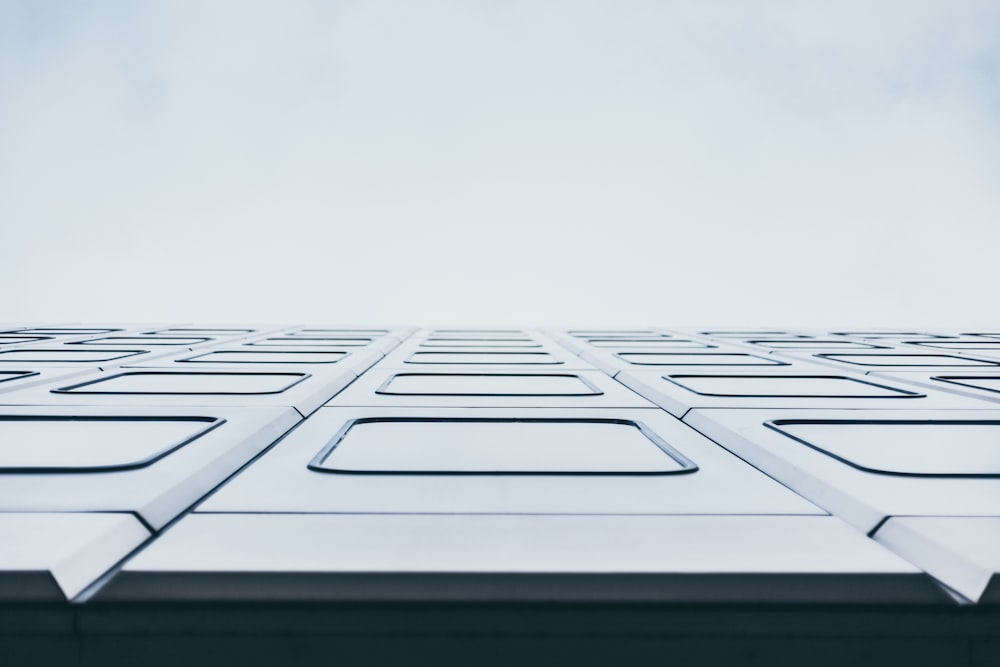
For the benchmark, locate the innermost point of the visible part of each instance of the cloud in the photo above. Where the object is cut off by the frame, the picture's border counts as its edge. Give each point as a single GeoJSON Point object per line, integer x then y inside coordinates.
{"type": "Point", "coordinates": [474, 161]}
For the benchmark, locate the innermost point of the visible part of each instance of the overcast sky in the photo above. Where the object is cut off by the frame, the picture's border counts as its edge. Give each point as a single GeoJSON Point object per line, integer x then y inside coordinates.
{"type": "Point", "coordinates": [484, 162]}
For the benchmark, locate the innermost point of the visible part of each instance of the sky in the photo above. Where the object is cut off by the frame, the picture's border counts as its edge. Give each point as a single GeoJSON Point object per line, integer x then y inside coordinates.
{"type": "Point", "coordinates": [522, 162]}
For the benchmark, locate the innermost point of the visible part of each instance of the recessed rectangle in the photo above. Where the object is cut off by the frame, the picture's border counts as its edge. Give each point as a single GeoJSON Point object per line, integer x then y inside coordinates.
{"type": "Point", "coordinates": [484, 358]}
{"type": "Point", "coordinates": [199, 331]}
{"type": "Point", "coordinates": [908, 360]}
{"type": "Point", "coordinates": [198, 383]}
{"type": "Point", "coordinates": [787, 386]}
{"type": "Point", "coordinates": [984, 344]}
{"type": "Point", "coordinates": [514, 387]}
{"type": "Point", "coordinates": [255, 357]}
{"type": "Point", "coordinates": [479, 342]}
{"type": "Point", "coordinates": [142, 340]}
{"type": "Point", "coordinates": [612, 333]}
{"type": "Point", "coordinates": [405, 445]}
{"type": "Point", "coordinates": [81, 444]}
{"type": "Point", "coordinates": [81, 356]}
{"type": "Point", "coordinates": [696, 359]}
{"type": "Point", "coordinates": [348, 333]}
{"type": "Point", "coordinates": [302, 341]}
{"type": "Point", "coordinates": [919, 448]}
{"type": "Point", "coordinates": [665, 343]}
{"type": "Point", "coordinates": [487, 384]}
{"type": "Point", "coordinates": [478, 332]}
{"type": "Point", "coordinates": [22, 340]}
{"type": "Point", "coordinates": [9, 376]}
{"type": "Point", "coordinates": [814, 344]}
{"type": "Point", "coordinates": [61, 331]}
{"type": "Point", "coordinates": [280, 481]}
{"type": "Point", "coordinates": [752, 334]}
{"type": "Point", "coordinates": [984, 382]}
{"type": "Point", "coordinates": [886, 334]}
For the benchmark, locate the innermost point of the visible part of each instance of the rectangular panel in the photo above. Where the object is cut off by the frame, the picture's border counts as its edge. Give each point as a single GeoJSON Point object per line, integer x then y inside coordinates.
{"type": "Point", "coordinates": [312, 341]}
{"type": "Point", "coordinates": [786, 386]}
{"type": "Point", "coordinates": [81, 443]}
{"type": "Point", "coordinates": [903, 360]}
{"type": "Point", "coordinates": [488, 388]}
{"type": "Point", "coordinates": [729, 333]}
{"type": "Point", "coordinates": [287, 357]}
{"type": "Point", "coordinates": [66, 356]}
{"type": "Point", "coordinates": [14, 381]}
{"type": "Point", "coordinates": [49, 557]}
{"type": "Point", "coordinates": [678, 392]}
{"type": "Point", "coordinates": [281, 481]}
{"type": "Point", "coordinates": [499, 446]}
{"type": "Point", "coordinates": [982, 384]}
{"type": "Point", "coordinates": [397, 333]}
{"type": "Point", "coordinates": [962, 552]}
{"type": "Point", "coordinates": [358, 558]}
{"type": "Point", "coordinates": [614, 333]}
{"type": "Point", "coordinates": [723, 360]}
{"type": "Point", "coordinates": [153, 461]}
{"type": "Point", "coordinates": [928, 464]}
{"type": "Point", "coordinates": [652, 343]}
{"type": "Point", "coordinates": [983, 344]}
{"type": "Point", "coordinates": [487, 384]}
{"type": "Point", "coordinates": [413, 355]}
{"type": "Point", "coordinates": [319, 342]}
{"type": "Point", "coordinates": [144, 341]}
{"type": "Point", "coordinates": [283, 359]}
{"type": "Point", "coordinates": [172, 383]}
{"type": "Point", "coordinates": [903, 447]}
{"type": "Point", "coordinates": [696, 359]}
{"type": "Point", "coordinates": [484, 358]}
{"type": "Point", "coordinates": [480, 342]}
{"type": "Point", "coordinates": [303, 390]}
{"type": "Point", "coordinates": [988, 383]}
{"type": "Point", "coordinates": [489, 333]}
{"type": "Point", "coordinates": [8, 341]}
{"type": "Point", "coordinates": [61, 331]}
{"type": "Point", "coordinates": [346, 333]}
{"type": "Point", "coordinates": [10, 376]}
{"type": "Point", "coordinates": [899, 335]}
{"type": "Point", "coordinates": [814, 344]}
{"type": "Point", "coordinates": [200, 331]}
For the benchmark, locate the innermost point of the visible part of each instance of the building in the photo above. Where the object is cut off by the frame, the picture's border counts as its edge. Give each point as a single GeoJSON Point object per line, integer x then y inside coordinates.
{"type": "Point", "coordinates": [255, 494]}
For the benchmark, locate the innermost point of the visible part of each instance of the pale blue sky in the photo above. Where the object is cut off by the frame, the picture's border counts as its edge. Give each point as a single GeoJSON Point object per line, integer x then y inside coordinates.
{"type": "Point", "coordinates": [529, 162]}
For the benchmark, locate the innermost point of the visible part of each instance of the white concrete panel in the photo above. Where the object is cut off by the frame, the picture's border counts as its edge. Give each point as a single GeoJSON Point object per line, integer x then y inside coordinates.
{"type": "Point", "coordinates": [678, 392]}
{"type": "Point", "coordinates": [152, 461]}
{"type": "Point", "coordinates": [518, 558]}
{"type": "Point", "coordinates": [304, 390]}
{"type": "Point", "coordinates": [485, 388]}
{"type": "Point", "coordinates": [962, 552]}
{"type": "Point", "coordinates": [48, 557]}
{"type": "Point", "coordinates": [865, 466]}
{"type": "Point", "coordinates": [282, 481]}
